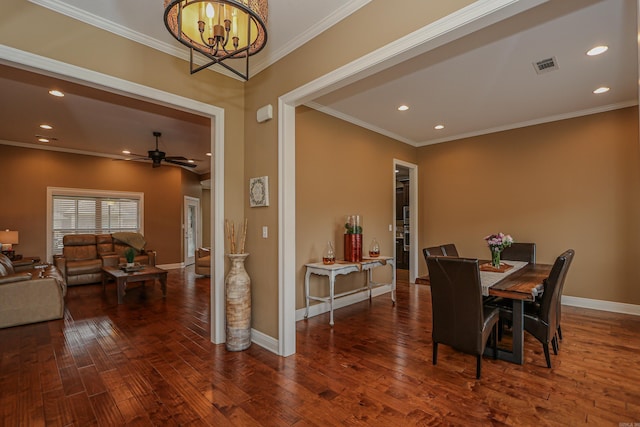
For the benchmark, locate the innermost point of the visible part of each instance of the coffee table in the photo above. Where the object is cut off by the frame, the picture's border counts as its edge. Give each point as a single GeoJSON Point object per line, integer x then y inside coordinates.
{"type": "Point", "coordinates": [123, 278]}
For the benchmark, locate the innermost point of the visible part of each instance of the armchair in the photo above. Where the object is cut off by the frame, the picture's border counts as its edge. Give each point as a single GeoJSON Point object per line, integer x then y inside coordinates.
{"type": "Point", "coordinates": [203, 261]}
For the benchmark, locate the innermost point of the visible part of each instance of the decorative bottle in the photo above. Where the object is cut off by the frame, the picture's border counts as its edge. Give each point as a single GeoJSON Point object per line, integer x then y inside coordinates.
{"type": "Point", "coordinates": [374, 248]}
{"type": "Point", "coordinates": [329, 256]}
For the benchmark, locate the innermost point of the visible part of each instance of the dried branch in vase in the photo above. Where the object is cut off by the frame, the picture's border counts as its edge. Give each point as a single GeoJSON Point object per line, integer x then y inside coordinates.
{"type": "Point", "coordinates": [230, 229]}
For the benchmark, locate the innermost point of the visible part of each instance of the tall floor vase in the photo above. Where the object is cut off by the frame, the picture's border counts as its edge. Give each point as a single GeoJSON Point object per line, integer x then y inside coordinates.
{"type": "Point", "coordinates": [238, 304]}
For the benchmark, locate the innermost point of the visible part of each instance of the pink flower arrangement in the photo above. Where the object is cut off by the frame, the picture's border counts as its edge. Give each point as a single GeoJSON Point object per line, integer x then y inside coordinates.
{"type": "Point", "coordinates": [497, 242]}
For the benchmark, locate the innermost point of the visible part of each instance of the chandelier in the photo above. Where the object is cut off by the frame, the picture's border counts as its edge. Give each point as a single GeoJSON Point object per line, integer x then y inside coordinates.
{"type": "Point", "coordinates": [219, 30]}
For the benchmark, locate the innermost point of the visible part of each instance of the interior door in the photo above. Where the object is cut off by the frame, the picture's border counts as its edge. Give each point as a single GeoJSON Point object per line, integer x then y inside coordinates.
{"type": "Point", "coordinates": [192, 231]}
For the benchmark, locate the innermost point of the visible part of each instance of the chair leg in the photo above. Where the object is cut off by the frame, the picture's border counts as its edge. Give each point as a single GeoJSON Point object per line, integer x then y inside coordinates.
{"type": "Point", "coordinates": [500, 329]}
{"type": "Point", "coordinates": [545, 347]}
{"type": "Point", "coordinates": [559, 332]}
{"type": "Point", "coordinates": [554, 344]}
{"type": "Point", "coordinates": [495, 341]}
{"type": "Point", "coordinates": [435, 352]}
{"type": "Point", "coordinates": [478, 366]}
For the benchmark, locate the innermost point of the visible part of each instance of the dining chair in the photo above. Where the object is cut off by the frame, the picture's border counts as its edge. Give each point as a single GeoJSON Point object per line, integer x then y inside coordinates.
{"type": "Point", "coordinates": [541, 320]}
{"type": "Point", "coordinates": [449, 250]}
{"type": "Point", "coordinates": [432, 251]}
{"type": "Point", "coordinates": [459, 318]}
{"type": "Point", "coordinates": [520, 252]}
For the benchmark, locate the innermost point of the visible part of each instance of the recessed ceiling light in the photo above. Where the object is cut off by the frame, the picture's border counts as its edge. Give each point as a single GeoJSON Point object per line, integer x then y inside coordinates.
{"type": "Point", "coordinates": [47, 127]}
{"type": "Point", "coordinates": [191, 161]}
{"type": "Point", "coordinates": [601, 90]}
{"type": "Point", "coordinates": [56, 93]}
{"type": "Point", "coordinates": [403, 108]}
{"type": "Point", "coordinates": [43, 140]}
{"type": "Point", "coordinates": [209, 154]}
{"type": "Point", "coordinates": [126, 152]}
{"type": "Point", "coordinates": [597, 50]}
{"type": "Point", "coordinates": [438, 127]}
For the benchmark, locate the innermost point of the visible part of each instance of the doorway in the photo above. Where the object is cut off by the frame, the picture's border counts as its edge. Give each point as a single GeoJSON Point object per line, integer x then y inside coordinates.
{"type": "Point", "coordinates": [406, 225]}
{"type": "Point", "coordinates": [192, 229]}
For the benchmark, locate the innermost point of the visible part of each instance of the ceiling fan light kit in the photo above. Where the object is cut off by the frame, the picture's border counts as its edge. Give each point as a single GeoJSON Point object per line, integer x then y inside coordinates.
{"type": "Point", "coordinates": [218, 30]}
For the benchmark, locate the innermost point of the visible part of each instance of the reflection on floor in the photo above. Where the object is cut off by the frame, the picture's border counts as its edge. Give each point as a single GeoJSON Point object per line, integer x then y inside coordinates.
{"type": "Point", "coordinates": [402, 275]}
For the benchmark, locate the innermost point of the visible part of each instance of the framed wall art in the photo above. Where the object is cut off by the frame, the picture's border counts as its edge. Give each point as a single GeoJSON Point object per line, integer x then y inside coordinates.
{"type": "Point", "coordinates": [259, 191]}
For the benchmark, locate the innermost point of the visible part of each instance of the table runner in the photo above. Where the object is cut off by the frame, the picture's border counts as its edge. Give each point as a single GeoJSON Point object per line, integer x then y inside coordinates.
{"type": "Point", "coordinates": [490, 278]}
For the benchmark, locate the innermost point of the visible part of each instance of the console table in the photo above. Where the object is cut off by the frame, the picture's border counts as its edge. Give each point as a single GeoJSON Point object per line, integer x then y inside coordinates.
{"type": "Point", "coordinates": [341, 267]}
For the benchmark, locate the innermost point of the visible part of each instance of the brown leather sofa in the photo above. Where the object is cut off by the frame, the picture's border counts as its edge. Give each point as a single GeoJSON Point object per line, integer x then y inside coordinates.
{"type": "Point", "coordinates": [30, 294]}
{"type": "Point", "coordinates": [84, 255]}
{"type": "Point", "coordinates": [203, 261]}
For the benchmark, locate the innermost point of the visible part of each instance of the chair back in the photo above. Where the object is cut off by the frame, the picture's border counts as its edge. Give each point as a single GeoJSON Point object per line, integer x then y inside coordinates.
{"type": "Point", "coordinates": [520, 252]}
{"type": "Point", "coordinates": [553, 289]}
{"type": "Point", "coordinates": [79, 247]}
{"type": "Point", "coordinates": [456, 301]}
{"type": "Point", "coordinates": [449, 249]}
{"type": "Point", "coordinates": [432, 251]}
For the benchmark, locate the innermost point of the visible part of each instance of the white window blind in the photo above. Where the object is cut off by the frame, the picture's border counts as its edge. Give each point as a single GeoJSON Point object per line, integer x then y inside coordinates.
{"type": "Point", "coordinates": [94, 215]}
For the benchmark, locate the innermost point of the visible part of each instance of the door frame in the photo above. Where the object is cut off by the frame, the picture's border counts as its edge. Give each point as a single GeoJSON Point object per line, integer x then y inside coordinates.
{"type": "Point", "coordinates": [188, 202]}
{"type": "Point", "coordinates": [413, 215]}
{"type": "Point", "coordinates": [43, 65]}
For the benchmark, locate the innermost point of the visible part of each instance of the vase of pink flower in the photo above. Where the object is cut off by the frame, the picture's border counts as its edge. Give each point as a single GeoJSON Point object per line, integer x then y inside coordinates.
{"type": "Point", "coordinates": [497, 243]}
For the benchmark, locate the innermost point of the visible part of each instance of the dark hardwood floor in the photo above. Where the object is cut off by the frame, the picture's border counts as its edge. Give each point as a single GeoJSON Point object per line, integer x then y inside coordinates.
{"type": "Point", "coordinates": [149, 361]}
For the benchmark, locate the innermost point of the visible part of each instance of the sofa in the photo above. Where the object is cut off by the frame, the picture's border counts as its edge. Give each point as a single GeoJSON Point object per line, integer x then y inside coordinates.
{"type": "Point", "coordinates": [30, 294]}
{"type": "Point", "coordinates": [203, 261]}
{"type": "Point", "coordinates": [84, 255]}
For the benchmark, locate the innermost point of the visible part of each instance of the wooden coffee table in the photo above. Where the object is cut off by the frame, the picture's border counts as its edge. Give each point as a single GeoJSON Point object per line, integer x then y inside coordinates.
{"type": "Point", "coordinates": [123, 278]}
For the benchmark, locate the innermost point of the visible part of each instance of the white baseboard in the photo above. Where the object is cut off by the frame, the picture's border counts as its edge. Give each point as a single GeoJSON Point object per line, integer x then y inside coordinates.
{"type": "Point", "coordinates": [615, 307]}
{"type": "Point", "coordinates": [265, 341]}
{"type": "Point", "coordinates": [323, 307]}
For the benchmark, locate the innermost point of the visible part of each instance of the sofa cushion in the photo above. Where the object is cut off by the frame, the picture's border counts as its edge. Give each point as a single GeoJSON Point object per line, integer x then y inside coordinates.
{"type": "Point", "coordinates": [79, 247]}
{"type": "Point", "coordinates": [104, 244]}
{"type": "Point", "coordinates": [86, 266]}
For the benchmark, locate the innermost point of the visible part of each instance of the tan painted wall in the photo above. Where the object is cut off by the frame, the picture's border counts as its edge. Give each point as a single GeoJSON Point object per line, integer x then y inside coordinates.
{"type": "Point", "coordinates": [567, 184]}
{"type": "Point", "coordinates": [342, 169]}
{"type": "Point", "coordinates": [345, 42]}
{"type": "Point", "coordinates": [24, 201]}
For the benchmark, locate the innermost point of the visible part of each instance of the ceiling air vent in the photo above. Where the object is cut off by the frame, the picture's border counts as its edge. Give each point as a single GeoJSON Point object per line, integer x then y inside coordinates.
{"type": "Point", "coordinates": [546, 65]}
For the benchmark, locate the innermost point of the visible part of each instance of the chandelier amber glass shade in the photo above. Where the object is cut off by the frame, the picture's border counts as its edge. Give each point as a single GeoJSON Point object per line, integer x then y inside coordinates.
{"type": "Point", "coordinates": [219, 30]}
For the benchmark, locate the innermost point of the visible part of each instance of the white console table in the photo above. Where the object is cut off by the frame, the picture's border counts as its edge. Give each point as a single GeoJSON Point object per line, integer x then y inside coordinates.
{"type": "Point", "coordinates": [341, 267]}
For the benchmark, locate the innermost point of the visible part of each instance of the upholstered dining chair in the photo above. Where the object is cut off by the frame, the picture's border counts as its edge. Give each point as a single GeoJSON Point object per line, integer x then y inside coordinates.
{"type": "Point", "coordinates": [449, 249]}
{"type": "Point", "coordinates": [519, 251]}
{"type": "Point", "coordinates": [432, 251]}
{"type": "Point", "coordinates": [460, 319]}
{"type": "Point", "coordinates": [541, 319]}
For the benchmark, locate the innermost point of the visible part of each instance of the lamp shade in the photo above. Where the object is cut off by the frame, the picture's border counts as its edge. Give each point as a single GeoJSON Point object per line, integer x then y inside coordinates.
{"type": "Point", "coordinates": [9, 237]}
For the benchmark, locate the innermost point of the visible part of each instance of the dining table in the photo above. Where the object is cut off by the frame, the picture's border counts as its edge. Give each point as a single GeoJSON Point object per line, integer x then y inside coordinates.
{"type": "Point", "coordinates": [523, 284]}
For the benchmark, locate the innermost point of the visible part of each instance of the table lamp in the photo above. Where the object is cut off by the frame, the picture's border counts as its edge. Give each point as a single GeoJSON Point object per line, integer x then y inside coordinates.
{"type": "Point", "coordinates": [8, 238]}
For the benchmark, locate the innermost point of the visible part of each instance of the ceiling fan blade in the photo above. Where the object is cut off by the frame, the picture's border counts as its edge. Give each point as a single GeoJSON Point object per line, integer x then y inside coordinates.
{"type": "Point", "coordinates": [176, 158]}
{"type": "Point", "coordinates": [175, 162]}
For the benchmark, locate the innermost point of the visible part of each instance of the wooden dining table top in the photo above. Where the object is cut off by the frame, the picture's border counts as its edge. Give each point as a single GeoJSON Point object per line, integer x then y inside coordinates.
{"type": "Point", "coordinates": [524, 284]}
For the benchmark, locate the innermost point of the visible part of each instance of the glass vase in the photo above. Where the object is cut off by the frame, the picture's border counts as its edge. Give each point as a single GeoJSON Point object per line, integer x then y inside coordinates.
{"type": "Point", "coordinates": [495, 257]}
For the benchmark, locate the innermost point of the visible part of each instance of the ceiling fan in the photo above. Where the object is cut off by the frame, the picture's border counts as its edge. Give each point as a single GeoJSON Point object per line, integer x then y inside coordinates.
{"type": "Point", "coordinates": [157, 156]}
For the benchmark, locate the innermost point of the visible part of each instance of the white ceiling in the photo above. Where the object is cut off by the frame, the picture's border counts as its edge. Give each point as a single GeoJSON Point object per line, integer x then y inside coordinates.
{"type": "Point", "coordinates": [481, 83]}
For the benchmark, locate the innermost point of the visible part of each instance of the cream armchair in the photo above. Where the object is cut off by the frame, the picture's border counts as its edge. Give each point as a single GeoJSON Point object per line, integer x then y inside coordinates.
{"type": "Point", "coordinates": [203, 261]}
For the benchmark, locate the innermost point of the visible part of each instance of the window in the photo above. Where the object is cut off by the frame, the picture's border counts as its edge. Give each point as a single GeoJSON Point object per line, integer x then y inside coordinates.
{"type": "Point", "coordinates": [75, 211]}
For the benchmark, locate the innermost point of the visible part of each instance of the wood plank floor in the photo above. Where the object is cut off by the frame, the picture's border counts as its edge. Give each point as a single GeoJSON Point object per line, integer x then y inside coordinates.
{"type": "Point", "coordinates": [149, 362]}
